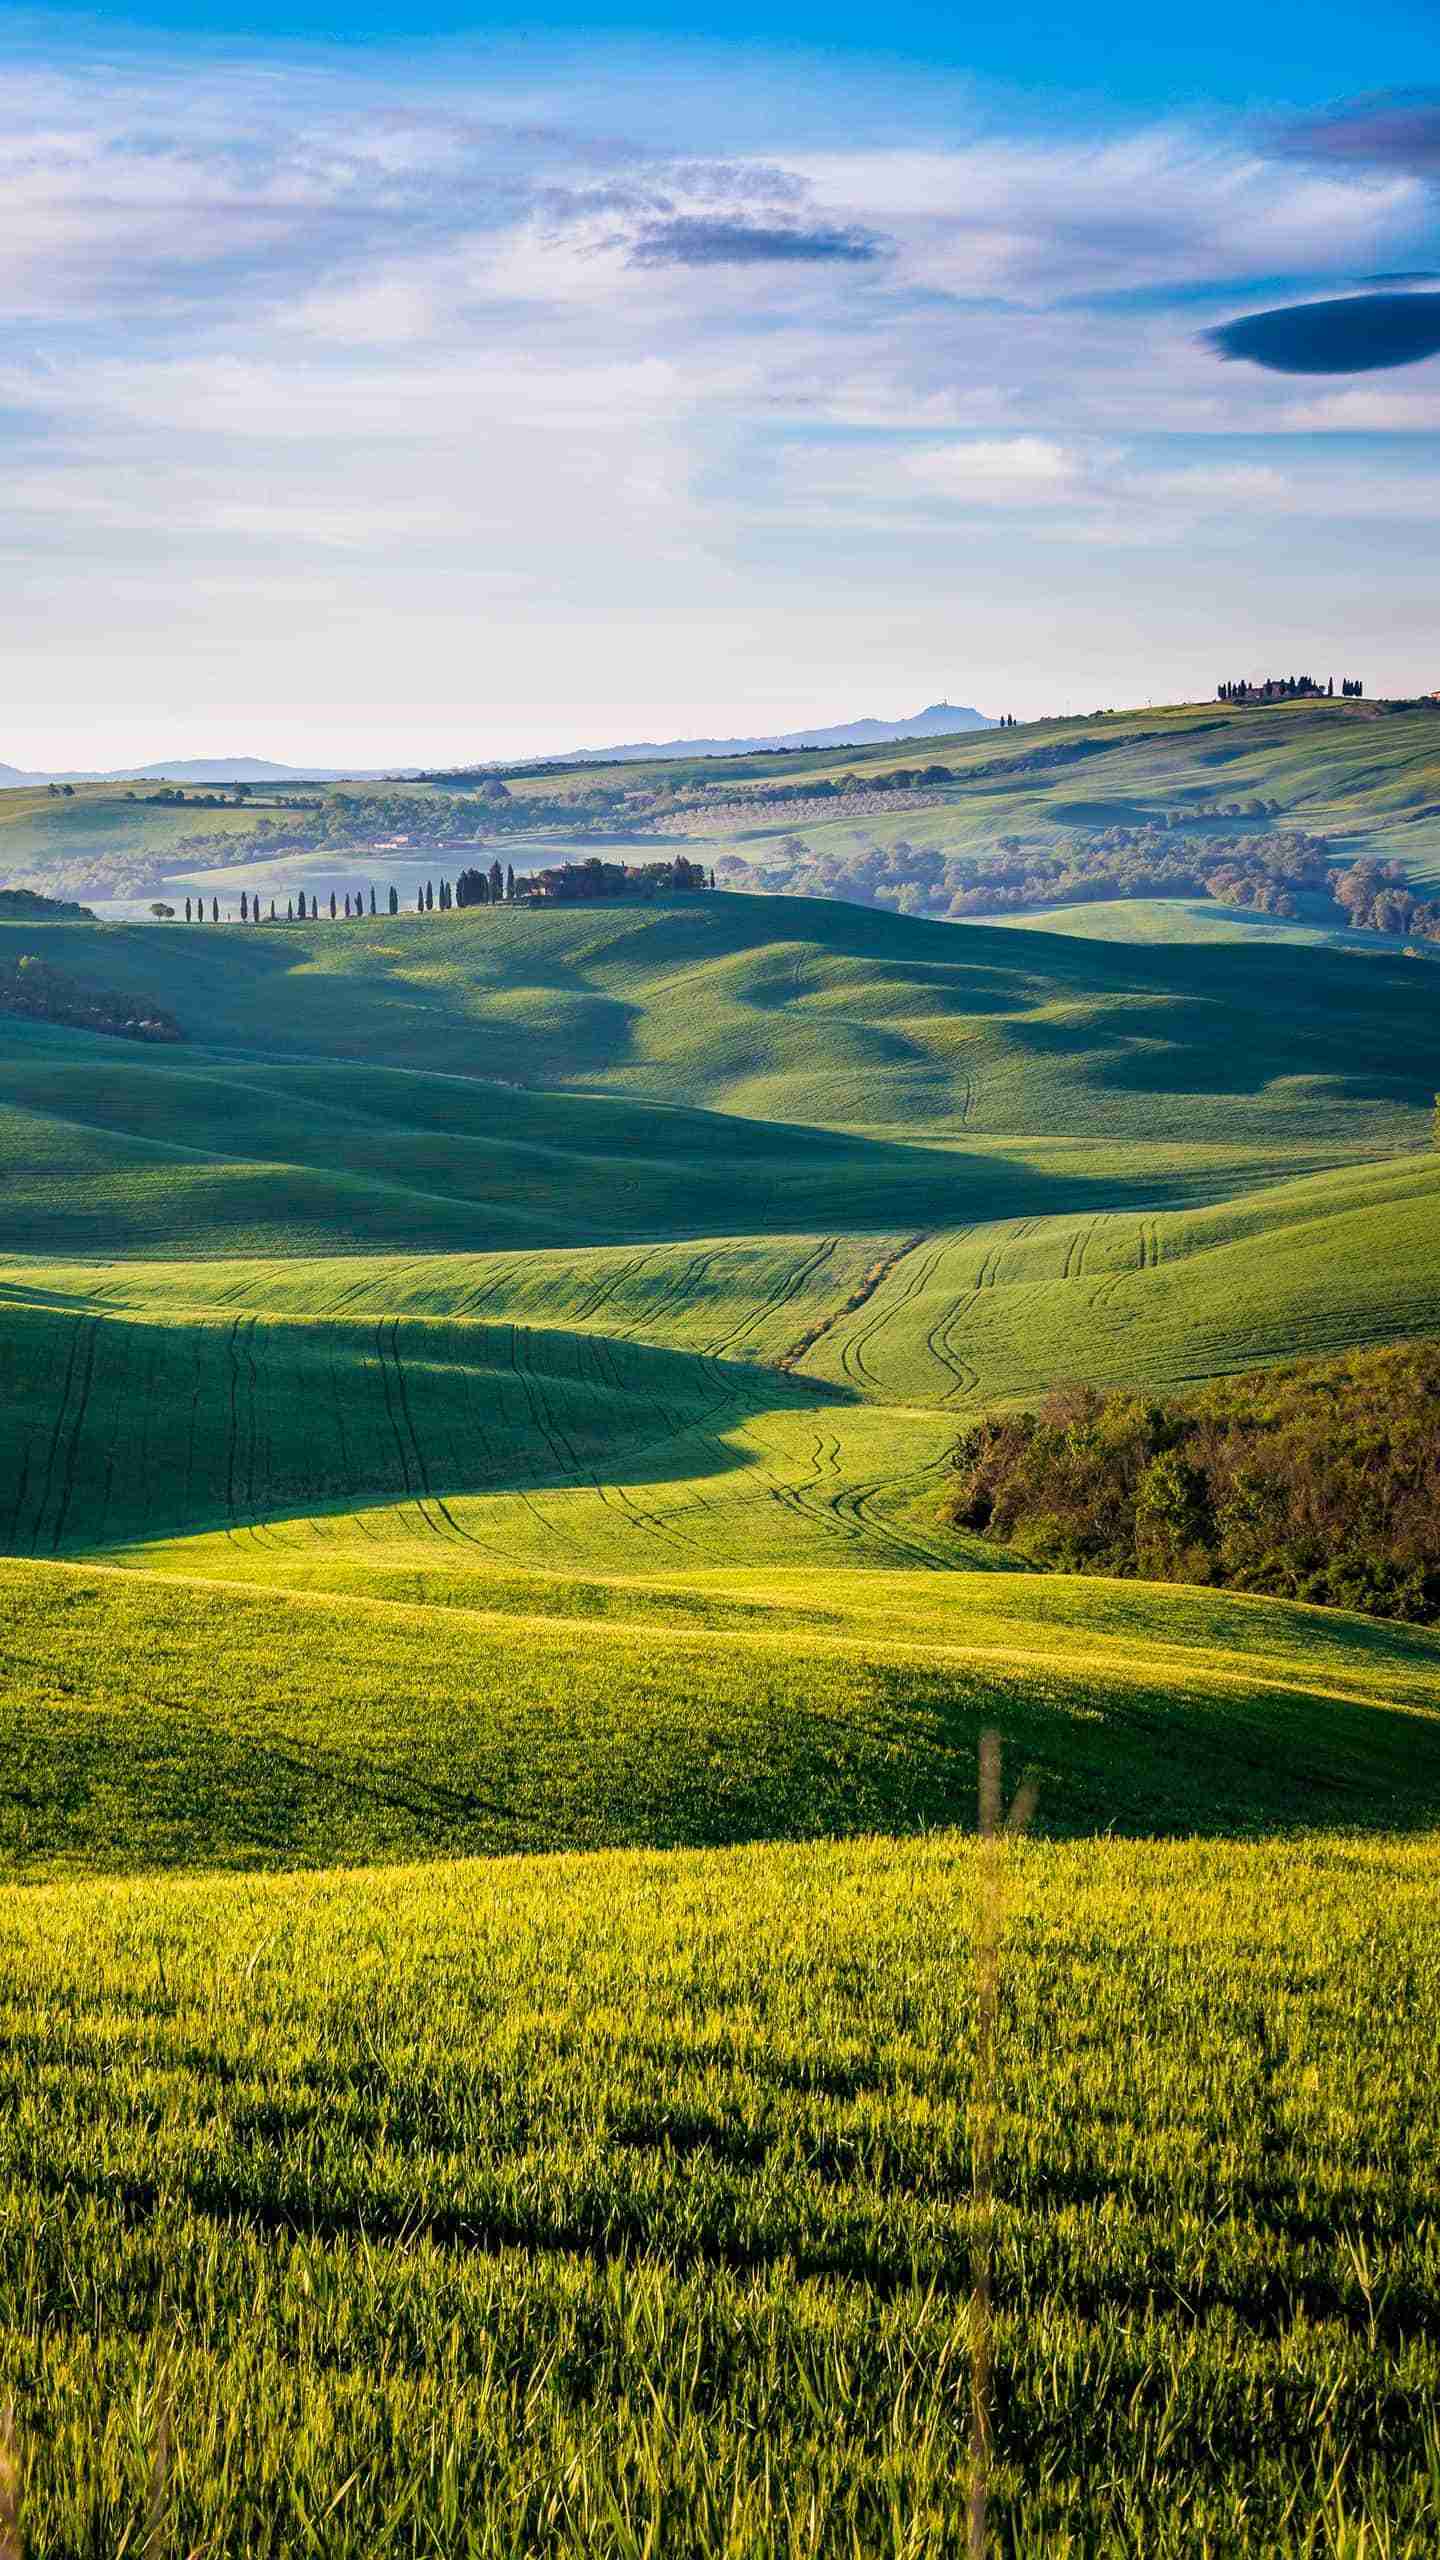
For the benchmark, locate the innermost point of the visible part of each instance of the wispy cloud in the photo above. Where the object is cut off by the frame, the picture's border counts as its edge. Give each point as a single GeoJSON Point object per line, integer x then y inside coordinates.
{"type": "Point", "coordinates": [463, 352]}
{"type": "Point", "coordinates": [695, 241]}
{"type": "Point", "coordinates": [1384, 133]}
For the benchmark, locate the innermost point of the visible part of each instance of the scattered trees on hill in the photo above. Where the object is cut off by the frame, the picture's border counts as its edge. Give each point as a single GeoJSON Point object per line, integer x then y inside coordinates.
{"type": "Point", "coordinates": [1379, 895]}
{"type": "Point", "coordinates": [1289, 689]}
{"type": "Point", "coordinates": [597, 879]}
{"type": "Point", "coordinates": [32, 906]}
{"type": "Point", "coordinates": [473, 888]}
{"type": "Point", "coordinates": [30, 987]}
{"type": "Point", "coordinates": [1316, 1482]}
{"type": "Point", "coordinates": [1249, 864]}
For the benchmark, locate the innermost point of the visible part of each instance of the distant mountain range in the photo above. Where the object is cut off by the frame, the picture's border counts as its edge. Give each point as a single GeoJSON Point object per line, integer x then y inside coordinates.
{"type": "Point", "coordinates": [199, 769]}
{"type": "Point", "coordinates": [940, 720]}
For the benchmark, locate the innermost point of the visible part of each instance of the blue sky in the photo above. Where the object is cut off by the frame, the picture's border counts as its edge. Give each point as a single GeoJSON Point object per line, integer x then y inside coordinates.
{"type": "Point", "coordinates": [433, 387]}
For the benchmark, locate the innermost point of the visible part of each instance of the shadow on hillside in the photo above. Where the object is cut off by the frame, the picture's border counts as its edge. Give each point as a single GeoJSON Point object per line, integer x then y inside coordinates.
{"type": "Point", "coordinates": [116, 1430]}
{"type": "Point", "coordinates": [115, 1157]}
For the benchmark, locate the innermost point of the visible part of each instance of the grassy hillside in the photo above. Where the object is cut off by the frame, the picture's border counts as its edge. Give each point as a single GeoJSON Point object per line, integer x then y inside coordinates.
{"type": "Point", "coordinates": [623, 1407]}
{"type": "Point", "coordinates": [624, 2204]}
{"type": "Point", "coordinates": [800, 1010]}
{"type": "Point", "coordinates": [1171, 920]}
{"type": "Point", "coordinates": [1362, 774]}
{"type": "Point", "coordinates": [212, 1725]}
{"type": "Point", "coordinates": [103, 839]}
{"type": "Point", "coordinates": [494, 1391]}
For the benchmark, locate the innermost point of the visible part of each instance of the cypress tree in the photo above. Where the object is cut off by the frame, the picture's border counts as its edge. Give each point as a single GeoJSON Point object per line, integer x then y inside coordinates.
{"type": "Point", "coordinates": [214, 910]}
{"type": "Point", "coordinates": [429, 897]}
{"type": "Point", "coordinates": [420, 902]}
{"type": "Point", "coordinates": [347, 902]}
{"type": "Point", "coordinates": [332, 905]}
{"type": "Point", "coordinates": [187, 910]}
{"type": "Point", "coordinates": [394, 899]}
{"type": "Point", "coordinates": [272, 911]}
{"type": "Point", "coordinates": [372, 897]}
{"type": "Point", "coordinates": [497, 883]}
{"type": "Point", "coordinates": [289, 910]}
{"type": "Point", "coordinates": [510, 881]}
{"type": "Point", "coordinates": [244, 909]}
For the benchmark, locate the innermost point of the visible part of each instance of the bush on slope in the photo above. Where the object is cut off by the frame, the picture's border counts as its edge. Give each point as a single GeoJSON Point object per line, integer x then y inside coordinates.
{"type": "Point", "coordinates": [1318, 1482]}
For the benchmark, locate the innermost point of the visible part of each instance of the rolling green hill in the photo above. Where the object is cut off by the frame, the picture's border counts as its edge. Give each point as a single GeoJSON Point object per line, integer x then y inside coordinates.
{"type": "Point", "coordinates": [1366, 775]}
{"type": "Point", "coordinates": [492, 1390]}
{"type": "Point", "coordinates": [226, 1723]}
{"type": "Point", "coordinates": [799, 1010]}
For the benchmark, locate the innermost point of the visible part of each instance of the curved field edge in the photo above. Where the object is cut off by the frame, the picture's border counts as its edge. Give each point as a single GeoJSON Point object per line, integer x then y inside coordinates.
{"type": "Point", "coordinates": [152, 1723]}
{"type": "Point", "coordinates": [559, 2204]}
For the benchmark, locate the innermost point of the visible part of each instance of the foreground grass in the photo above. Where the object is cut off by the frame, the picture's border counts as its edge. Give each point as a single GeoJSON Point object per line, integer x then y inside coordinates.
{"type": "Point", "coordinates": [150, 1722]}
{"type": "Point", "coordinates": [621, 2205]}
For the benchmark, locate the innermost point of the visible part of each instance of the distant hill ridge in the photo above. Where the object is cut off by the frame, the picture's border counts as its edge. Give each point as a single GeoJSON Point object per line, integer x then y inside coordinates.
{"type": "Point", "coordinates": [940, 720]}
{"type": "Point", "coordinates": [194, 769]}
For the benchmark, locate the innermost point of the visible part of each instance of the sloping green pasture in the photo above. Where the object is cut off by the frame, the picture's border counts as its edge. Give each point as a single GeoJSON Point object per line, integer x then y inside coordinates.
{"type": "Point", "coordinates": [389, 1704]}
{"type": "Point", "coordinates": [624, 2204]}
{"type": "Point", "coordinates": [728, 1398]}
{"type": "Point", "coordinates": [1369, 779]}
{"type": "Point", "coordinates": [801, 1010]}
{"type": "Point", "coordinates": [399, 1461]}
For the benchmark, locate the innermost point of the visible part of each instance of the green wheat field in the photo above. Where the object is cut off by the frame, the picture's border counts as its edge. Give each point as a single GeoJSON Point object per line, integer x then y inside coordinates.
{"type": "Point", "coordinates": [490, 1703]}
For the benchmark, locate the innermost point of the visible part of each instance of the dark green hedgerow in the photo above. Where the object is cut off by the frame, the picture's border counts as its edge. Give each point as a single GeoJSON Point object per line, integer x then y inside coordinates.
{"type": "Point", "coordinates": [1316, 1482]}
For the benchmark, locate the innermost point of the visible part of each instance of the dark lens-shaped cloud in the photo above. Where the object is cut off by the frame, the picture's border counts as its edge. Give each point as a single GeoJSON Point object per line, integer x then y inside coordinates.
{"type": "Point", "coordinates": [1395, 133]}
{"type": "Point", "coordinates": [1366, 333]}
{"type": "Point", "coordinates": [694, 240]}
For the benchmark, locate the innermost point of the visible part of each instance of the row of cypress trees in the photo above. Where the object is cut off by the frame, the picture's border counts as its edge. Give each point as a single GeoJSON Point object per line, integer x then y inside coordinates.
{"type": "Point", "coordinates": [472, 889]}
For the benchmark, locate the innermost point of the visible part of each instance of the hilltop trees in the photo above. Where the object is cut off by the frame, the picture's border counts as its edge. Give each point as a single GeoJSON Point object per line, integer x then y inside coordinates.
{"type": "Point", "coordinates": [572, 881]}
{"type": "Point", "coordinates": [1287, 689]}
{"type": "Point", "coordinates": [478, 887]}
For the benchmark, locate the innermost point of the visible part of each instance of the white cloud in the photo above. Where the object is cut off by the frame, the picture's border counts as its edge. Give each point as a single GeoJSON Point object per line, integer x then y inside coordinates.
{"type": "Point", "coordinates": [263, 319]}
{"type": "Point", "coordinates": [1010, 471]}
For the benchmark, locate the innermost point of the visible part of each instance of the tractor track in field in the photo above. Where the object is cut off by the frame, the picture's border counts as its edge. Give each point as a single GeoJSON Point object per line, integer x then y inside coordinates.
{"type": "Point", "coordinates": [940, 1341]}
{"type": "Point", "coordinates": [57, 1427]}
{"type": "Point", "coordinates": [252, 1438]}
{"type": "Point", "coordinates": [779, 1296]}
{"type": "Point", "coordinates": [427, 1492]}
{"type": "Point", "coordinates": [82, 1401]}
{"type": "Point", "coordinates": [869, 1282]}
{"type": "Point", "coordinates": [852, 1358]}
{"type": "Point", "coordinates": [401, 1452]}
{"type": "Point", "coordinates": [232, 1511]}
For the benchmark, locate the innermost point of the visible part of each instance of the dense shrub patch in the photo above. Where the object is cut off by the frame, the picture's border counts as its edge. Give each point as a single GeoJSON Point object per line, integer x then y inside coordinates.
{"type": "Point", "coordinates": [30, 986]}
{"type": "Point", "coordinates": [1317, 1482]}
{"type": "Point", "coordinates": [27, 906]}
